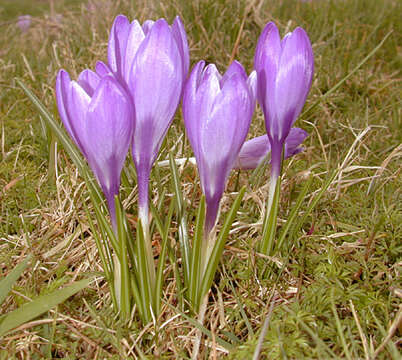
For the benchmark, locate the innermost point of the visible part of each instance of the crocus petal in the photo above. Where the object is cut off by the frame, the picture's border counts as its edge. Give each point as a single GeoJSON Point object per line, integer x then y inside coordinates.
{"type": "Point", "coordinates": [88, 80]}
{"type": "Point", "coordinates": [102, 69]}
{"type": "Point", "coordinates": [293, 79]}
{"type": "Point", "coordinates": [135, 37]}
{"type": "Point", "coordinates": [229, 119]}
{"type": "Point", "coordinates": [78, 102]}
{"type": "Point", "coordinates": [179, 35]}
{"type": "Point", "coordinates": [206, 93]}
{"type": "Point", "coordinates": [117, 43]}
{"type": "Point", "coordinates": [234, 68]}
{"type": "Point", "coordinates": [293, 141]}
{"type": "Point", "coordinates": [190, 107]}
{"type": "Point", "coordinates": [252, 84]}
{"type": "Point", "coordinates": [62, 89]}
{"type": "Point", "coordinates": [254, 151]}
{"type": "Point", "coordinates": [147, 26]}
{"type": "Point", "coordinates": [109, 117]}
{"type": "Point", "coordinates": [266, 63]}
{"type": "Point", "coordinates": [155, 85]}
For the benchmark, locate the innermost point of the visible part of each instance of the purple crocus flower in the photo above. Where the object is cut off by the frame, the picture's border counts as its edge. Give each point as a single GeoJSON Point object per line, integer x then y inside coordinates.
{"type": "Point", "coordinates": [285, 71]}
{"type": "Point", "coordinates": [24, 22]}
{"type": "Point", "coordinates": [217, 112]}
{"type": "Point", "coordinates": [152, 62]}
{"type": "Point", "coordinates": [254, 151]}
{"type": "Point", "coordinates": [97, 114]}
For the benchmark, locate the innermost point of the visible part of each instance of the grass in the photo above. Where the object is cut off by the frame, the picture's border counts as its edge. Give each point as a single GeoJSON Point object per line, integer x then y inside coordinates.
{"type": "Point", "coordinates": [338, 294]}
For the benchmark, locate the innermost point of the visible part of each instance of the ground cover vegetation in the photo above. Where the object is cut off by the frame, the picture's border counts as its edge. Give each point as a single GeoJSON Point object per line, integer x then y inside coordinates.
{"type": "Point", "coordinates": [334, 289]}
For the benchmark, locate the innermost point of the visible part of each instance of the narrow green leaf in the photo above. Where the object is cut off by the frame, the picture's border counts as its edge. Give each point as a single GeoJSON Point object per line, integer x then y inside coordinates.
{"type": "Point", "coordinates": [162, 258]}
{"type": "Point", "coordinates": [106, 228]}
{"type": "Point", "coordinates": [130, 244]}
{"type": "Point", "coordinates": [40, 305]}
{"type": "Point", "coordinates": [138, 300]}
{"type": "Point", "coordinates": [124, 272]}
{"type": "Point", "coordinates": [144, 283]}
{"type": "Point", "coordinates": [241, 307]}
{"type": "Point", "coordinates": [393, 350]}
{"type": "Point", "coordinates": [313, 203]}
{"type": "Point", "coordinates": [156, 218]}
{"type": "Point", "coordinates": [196, 256]}
{"type": "Point", "coordinates": [294, 212]}
{"type": "Point", "coordinates": [107, 266]}
{"type": "Point", "coordinates": [156, 211]}
{"type": "Point", "coordinates": [181, 213]}
{"type": "Point", "coordinates": [7, 283]}
{"type": "Point", "coordinates": [257, 174]}
{"type": "Point", "coordinates": [217, 251]}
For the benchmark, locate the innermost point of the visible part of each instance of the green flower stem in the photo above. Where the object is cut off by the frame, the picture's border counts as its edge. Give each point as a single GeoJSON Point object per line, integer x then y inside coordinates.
{"type": "Point", "coordinates": [148, 249]}
{"type": "Point", "coordinates": [271, 214]}
{"type": "Point", "coordinates": [197, 255]}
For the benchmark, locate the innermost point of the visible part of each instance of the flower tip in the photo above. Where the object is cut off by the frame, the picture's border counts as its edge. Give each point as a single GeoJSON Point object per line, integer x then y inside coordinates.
{"type": "Point", "coordinates": [161, 24]}
{"type": "Point", "coordinates": [270, 28]}
{"type": "Point", "coordinates": [120, 19]}
{"type": "Point", "coordinates": [236, 67]}
{"type": "Point", "coordinates": [110, 85]}
{"type": "Point", "coordinates": [102, 69]}
{"type": "Point", "coordinates": [178, 21]}
{"type": "Point", "coordinates": [62, 77]}
{"type": "Point", "coordinates": [61, 72]}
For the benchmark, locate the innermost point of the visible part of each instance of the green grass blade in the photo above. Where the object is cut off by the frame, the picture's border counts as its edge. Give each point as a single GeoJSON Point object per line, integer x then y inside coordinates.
{"type": "Point", "coordinates": [241, 307]}
{"type": "Point", "coordinates": [156, 211]}
{"type": "Point", "coordinates": [162, 258]}
{"type": "Point", "coordinates": [144, 283]}
{"type": "Point", "coordinates": [39, 306]}
{"type": "Point", "coordinates": [313, 203]}
{"type": "Point", "coordinates": [105, 255]}
{"type": "Point", "coordinates": [124, 270]}
{"type": "Point", "coordinates": [257, 174]}
{"type": "Point", "coordinates": [156, 218]}
{"type": "Point", "coordinates": [138, 299]}
{"type": "Point", "coordinates": [194, 322]}
{"type": "Point", "coordinates": [107, 265]}
{"type": "Point", "coordinates": [391, 347]}
{"type": "Point", "coordinates": [7, 283]}
{"type": "Point", "coordinates": [196, 256]}
{"type": "Point", "coordinates": [294, 213]}
{"type": "Point", "coordinates": [217, 251]}
{"type": "Point", "coordinates": [106, 228]}
{"type": "Point", "coordinates": [181, 213]}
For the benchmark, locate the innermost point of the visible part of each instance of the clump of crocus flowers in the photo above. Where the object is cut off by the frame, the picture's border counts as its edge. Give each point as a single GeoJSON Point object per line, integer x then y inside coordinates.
{"type": "Point", "coordinates": [129, 103]}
